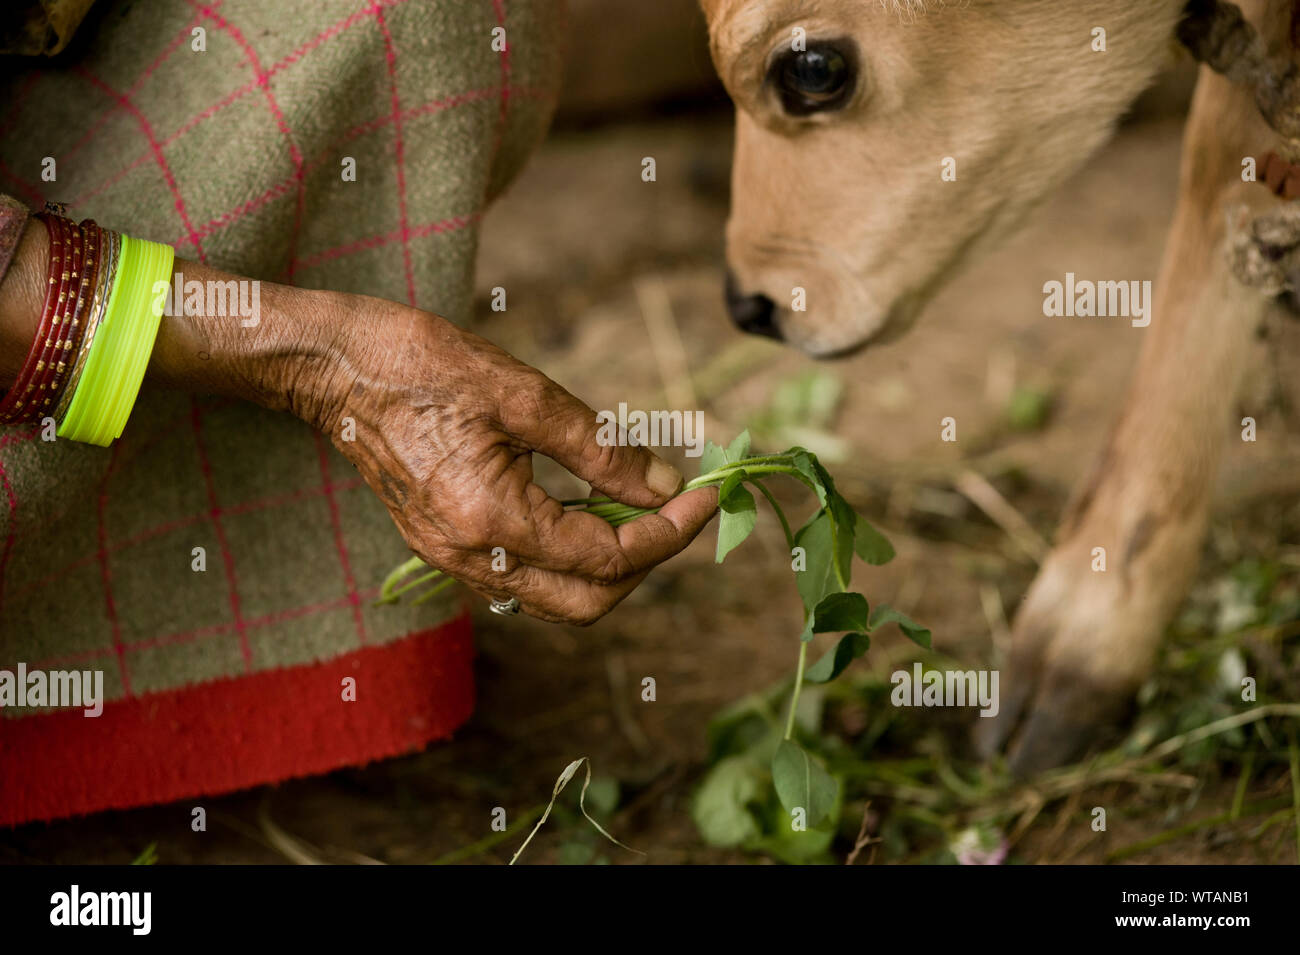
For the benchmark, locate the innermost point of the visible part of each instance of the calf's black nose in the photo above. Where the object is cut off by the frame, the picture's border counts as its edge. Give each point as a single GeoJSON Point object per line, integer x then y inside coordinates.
{"type": "Point", "coordinates": [755, 314]}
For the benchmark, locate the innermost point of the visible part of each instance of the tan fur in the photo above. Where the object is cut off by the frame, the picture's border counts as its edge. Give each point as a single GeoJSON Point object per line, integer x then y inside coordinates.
{"type": "Point", "coordinates": [850, 206]}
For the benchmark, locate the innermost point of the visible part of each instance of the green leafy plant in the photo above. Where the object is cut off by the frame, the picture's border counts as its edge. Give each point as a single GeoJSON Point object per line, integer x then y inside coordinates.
{"type": "Point", "coordinates": [822, 552]}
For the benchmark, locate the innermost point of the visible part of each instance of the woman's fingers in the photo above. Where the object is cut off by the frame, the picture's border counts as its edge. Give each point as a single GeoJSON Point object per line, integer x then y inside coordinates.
{"type": "Point", "coordinates": [584, 545]}
{"type": "Point", "coordinates": [548, 419]}
{"type": "Point", "coordinates": [654, 538]}
{"type": "Point", "coordinates": [584, 595]}
{"type": "Point", "coordinates": [555, 598]}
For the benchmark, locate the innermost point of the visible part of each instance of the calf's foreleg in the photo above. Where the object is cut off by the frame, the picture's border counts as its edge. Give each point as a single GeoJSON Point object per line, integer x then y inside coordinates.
{"type": "Point", "coordinates": [1084, 639]}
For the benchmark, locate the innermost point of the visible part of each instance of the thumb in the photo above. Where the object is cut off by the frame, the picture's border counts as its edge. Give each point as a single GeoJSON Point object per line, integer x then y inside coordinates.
{"type": "Point", "coordinates": [558, 425]}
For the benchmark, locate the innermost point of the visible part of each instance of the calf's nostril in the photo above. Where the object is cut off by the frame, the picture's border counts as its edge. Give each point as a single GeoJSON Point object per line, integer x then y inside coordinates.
{"type": "Point", "coordinates": [755, 314]}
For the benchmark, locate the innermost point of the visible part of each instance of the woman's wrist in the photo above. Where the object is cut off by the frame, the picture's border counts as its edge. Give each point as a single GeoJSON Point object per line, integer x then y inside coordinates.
{"type": "Point", "coordinates": [283, 353]}
{"type": "Point", "coordinates": [276, 353]}
{"type": "Point", "coordinates": [22, 293]}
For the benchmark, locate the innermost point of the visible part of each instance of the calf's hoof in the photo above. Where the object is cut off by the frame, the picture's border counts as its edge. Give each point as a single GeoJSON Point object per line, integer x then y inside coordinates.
{"type": "Point", "coordinates": [1082, 644]}
{"type": "Point", "coordinates": [1051, 716]}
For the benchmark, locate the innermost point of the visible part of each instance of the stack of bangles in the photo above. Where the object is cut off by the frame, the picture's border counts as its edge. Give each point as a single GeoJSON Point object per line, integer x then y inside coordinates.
{"type": "Point", "coordinates": [103, 305]}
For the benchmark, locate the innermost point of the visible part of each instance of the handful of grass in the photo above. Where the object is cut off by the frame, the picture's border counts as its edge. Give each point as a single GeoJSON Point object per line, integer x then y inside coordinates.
{"type": "Point", "coordinates": [821, 555]}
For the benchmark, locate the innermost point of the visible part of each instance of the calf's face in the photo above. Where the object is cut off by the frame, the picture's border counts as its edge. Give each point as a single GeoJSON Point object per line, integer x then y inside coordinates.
{"type": "Point", "coordinates": [851, 112]}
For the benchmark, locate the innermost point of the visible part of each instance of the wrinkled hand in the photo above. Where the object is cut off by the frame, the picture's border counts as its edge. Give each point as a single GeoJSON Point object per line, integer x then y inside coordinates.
{"type": "Point", "coordinates": [446, 424]}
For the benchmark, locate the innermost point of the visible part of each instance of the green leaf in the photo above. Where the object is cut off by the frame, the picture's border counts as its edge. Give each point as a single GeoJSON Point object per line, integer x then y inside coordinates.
{"type": "Point", "coordinates": [813, 518]}
{"type": "Point", "coordinates": [721, 808]}
{"type": "Point", "coordinates": [713, 458]}
{"type": "Point", "coordinates": [729, 484]}
{"type": "Point", "coordinates": [738, 450]}
{"type": "Point", "coordinates": [871, 545]}
{"type": "Point", "coordinates": [742, 725]}
{"type": "Point", "coordinates": [602, 795]}
{"type": "Point", "coordinates": [1028, 409]}
{"type": "Point", "coordinates": [809, 713]}
{"type": "Point", "coordinates": [845, 527]}
{"type": "Point", "coordinates": [801, 782]}
{"type": "Point", "coordinates": [850, 647]}
{"type": "Point", "coordinates": [824, 478]}
{"type": "Point", "coordinates": [840, 612]}
{"type": "Point", "coordinates": [738, 514]}
{"type": "Point", "coordinates": [845, 519]}
{"type": "Point", "coordinates": [822, 391]}
{"type": "Point", "coordinates": [912, 630]}
{"type": "Point", "coordinates": [795, 848]}
{"type": "Point", "coordinates": [817, 579]}
{"type": "Point", "coordinates": [576, 853]}
{"type": "Point", "coordinates": [806, 465]}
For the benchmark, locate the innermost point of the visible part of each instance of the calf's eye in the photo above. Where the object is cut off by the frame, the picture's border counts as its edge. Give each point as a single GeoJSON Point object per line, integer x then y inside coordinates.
{"type": "Point", "coordinates": [813, 80]}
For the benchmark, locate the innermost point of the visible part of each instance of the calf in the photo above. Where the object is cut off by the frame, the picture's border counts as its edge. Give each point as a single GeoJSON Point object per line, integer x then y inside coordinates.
{"type": "Point", "coordinates": [880, 144]}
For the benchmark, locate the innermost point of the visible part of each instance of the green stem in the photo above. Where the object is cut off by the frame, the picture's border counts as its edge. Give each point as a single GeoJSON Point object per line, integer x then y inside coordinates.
{"type": "Point", "coordinates": [721, 474]}
{"type": "Point", "coordinates": [762, 464]}
{"type": "Point", "coordinates": [628, 519]}
{"type": "Point", "coordinates": [746, 463]}
{"type": "Point", "coordinates": [423, 579]}
{"type": "Point", "coordinates": [803, 647]}
{"type": "Point", "coordinates": [794, 694]}
{"type": "Point", "coordinates": [836, 530]}
{"type": "Point", "coordinates": [393, 579]}
{"type": "Point", "coordinates": [611, 512]}
{"type": "Point", "coordinates": [433, 591]}
{"type": "Point", "coordinates": [785, 525]}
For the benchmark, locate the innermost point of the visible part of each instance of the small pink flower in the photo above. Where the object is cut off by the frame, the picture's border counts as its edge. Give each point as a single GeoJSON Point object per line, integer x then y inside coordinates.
{"type": "Point", "coordinates": [977, 846]}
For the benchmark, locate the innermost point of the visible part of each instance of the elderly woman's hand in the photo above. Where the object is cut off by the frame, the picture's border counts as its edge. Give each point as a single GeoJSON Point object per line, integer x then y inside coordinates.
{"type": "Point", "coordinates": [445, 426]}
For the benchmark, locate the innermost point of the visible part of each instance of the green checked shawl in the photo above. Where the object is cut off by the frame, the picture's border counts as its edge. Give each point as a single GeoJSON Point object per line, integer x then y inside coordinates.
{"type": "Point", "coordinates": [234, 154]}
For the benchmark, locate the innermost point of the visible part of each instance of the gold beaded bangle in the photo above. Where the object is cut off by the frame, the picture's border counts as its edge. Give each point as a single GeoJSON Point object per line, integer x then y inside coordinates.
{"type": "Point", "coordinates": [112, 248]}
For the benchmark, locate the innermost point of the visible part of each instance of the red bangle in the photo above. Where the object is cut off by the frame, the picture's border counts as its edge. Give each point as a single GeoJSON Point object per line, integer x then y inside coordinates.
{"type": "Point", "coordinates": [52, 351]}
{"type": "Point", "coordinates": [59, 357]}
{"type": "Point", "coordinates": [10, 405]}
{"type": "Point", "coordinates": [29, 403]}
{"type": "Point", "coordinates": [89, 283]}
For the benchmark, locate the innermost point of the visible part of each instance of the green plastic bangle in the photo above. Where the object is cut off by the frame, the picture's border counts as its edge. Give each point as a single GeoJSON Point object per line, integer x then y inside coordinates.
{"type": "Point", "coordinates": [120, 353]}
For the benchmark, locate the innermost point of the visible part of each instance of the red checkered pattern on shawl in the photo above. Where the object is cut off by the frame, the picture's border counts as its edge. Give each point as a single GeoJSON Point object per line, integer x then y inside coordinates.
{"type": "Point", "coordinates": [233, 154]}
